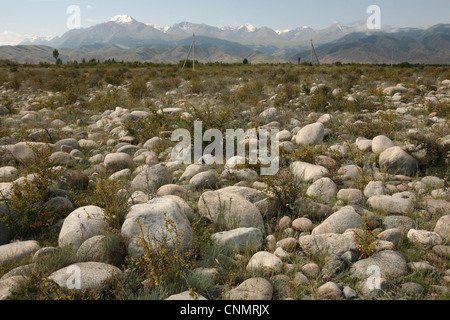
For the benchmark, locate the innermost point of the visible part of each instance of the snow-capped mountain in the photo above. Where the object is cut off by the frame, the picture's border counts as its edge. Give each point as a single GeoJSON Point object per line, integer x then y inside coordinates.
{"type": "Point", "coordinates": [126, 31]}
{"type": "Point", "coordinates": [123, 19]}
{"type": "Point", "coordinates": [125, 38]}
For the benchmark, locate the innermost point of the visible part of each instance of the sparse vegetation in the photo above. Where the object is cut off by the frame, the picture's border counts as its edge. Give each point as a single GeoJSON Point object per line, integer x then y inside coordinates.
{"type": "Point", "coordinates": [106, 106]}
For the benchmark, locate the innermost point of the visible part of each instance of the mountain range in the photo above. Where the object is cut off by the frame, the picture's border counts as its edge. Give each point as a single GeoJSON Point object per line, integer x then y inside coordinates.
{"type": "Point", "coordinates": [125, 39]}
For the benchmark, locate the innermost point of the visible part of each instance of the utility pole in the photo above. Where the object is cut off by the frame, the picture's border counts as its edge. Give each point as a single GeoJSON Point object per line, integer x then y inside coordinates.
{"type": "Point", "coordinates": [193, 45]}
{"type": "Point", "coordinates": [315, 54]}
{"type": "Point", "coordinates": [392, 59]}
{"type": "Point", "coordinates": [189, 53]}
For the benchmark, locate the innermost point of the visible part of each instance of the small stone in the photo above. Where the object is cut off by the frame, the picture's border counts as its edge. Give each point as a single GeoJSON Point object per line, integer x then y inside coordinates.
{"type": "Point", "coordinates": [300, 279]}
{"type": "Point", "coordinates": [393, 235]}
{"type": "Point", "coordinates": [412, 288]}
{"type": "Point", "coordinates": [285, 222]}
{"type": "Point", "coordinates": [442, 251]}
{"type": "Point", "coordinates": [424, 267]}
{"type": "Point", "coordinates": [186, 296]}
{"type": "Point", "coordinates": [281, 253]}
{"type": "Point", "coordinates": [424, 237]}
{"type": "Point", "coordinates": [302, 225]}
{"type": "Point", "coordinates": [349, 293]}
{"type": "Point", "coordinates": [265, 261]}
{"type": "Point", "coordinates": [311, 270]}
{"type": "Point", "coordinates": [288, 244]}
{"type": "Point", "coordinates": [330, 290]}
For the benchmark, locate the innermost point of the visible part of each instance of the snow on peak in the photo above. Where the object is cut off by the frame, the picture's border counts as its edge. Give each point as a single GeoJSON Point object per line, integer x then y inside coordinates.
{"type": "Point", "coordinates": [283, 31]}
{"type": "Point", "coordinates": [157, 27]}
{"type": "Point", "coordinates": [123, 19]}
{"type": "Point", "coordinates": [248, 27]}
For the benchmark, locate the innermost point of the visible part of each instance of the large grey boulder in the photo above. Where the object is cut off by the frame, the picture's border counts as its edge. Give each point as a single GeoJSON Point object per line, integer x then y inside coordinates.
{"type": "Point", "coordinates": [85, 275]}
{"type": "Point", "coordinates": [193, 170]}
{"type": "Point", "coordinates": [27, 151]}
{"type": "Point", "coordinates": [118, 161]}
{"type": "Point", "coordinates": [230, 209]}
{"type": "Point", "coordinates": [381, 143]}
{"type": "Point", "coordinates": [340, 221]}
{"type": "Point", "coordinates": [240, 238]}
{"type": "Point", "coordinates": [151, 179]}
{"type": "Point", "coordinates": [323, 190]}
{"type": "Point", "coordinates": [15, 252]}
{"type": "Point", "coordinates": [71, 142]}
{"type": "Point", "coordinates": [204, 180]}
{"type": "Point", "coordinates": [173, 189]}
{"type": "Point", "coordinates": [11, 285]}
{"type": "Point", "coordinates": [391, 264]}
{"type": "Point", "coordinates": [403, 223]}
{"type": "Point", "coordinates": [375, 188]}
{"type": "Point", "coordinates": [257, 289]}
{"type": "Point", "coordinates": [159, 222]}
{"type": "Point", "coordinates": [398, 161]}
{"type": "Point", "coordinates": [82, 224]}
{"type": "Point", "coordinates": [96, 249]}
{"type": "Point", "coordinates": [443, 227]}
{"type": "Point", "coordinates": [311, 134]}
{"type": "Point", "coordinates": [270, 114]}
{"type": "Point", "coordinates": [328, 243]}
{"type": "Point", "coordinates": [391, 204]}
{"type": "Point", "coordinates": [185, 207]}
{"type": "Point", "coordinates": [305, 171]}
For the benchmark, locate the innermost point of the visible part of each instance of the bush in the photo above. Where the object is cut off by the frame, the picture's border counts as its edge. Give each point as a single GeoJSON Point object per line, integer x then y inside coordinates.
{"type": "Point", "coordinates": [138, 88]}
{"type": "Point", "coordinates": [29, 216]}
{"type": "Point", "coordinates": [284, 189]}
{"type": "Point", "coordinates": [365, 240]}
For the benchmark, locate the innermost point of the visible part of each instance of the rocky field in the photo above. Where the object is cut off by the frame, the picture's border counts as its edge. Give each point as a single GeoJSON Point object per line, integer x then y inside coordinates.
{"type": "Point", "coordinates": [93, 204]}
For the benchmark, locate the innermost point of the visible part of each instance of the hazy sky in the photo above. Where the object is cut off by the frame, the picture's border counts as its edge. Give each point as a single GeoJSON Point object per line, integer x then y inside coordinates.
{"type": "Point", "coordinates": [48, 17]}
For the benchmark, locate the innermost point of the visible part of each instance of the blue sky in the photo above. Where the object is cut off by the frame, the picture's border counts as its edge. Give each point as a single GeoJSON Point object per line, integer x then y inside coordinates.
{"type": "Point", "coordinates": [48, 17]}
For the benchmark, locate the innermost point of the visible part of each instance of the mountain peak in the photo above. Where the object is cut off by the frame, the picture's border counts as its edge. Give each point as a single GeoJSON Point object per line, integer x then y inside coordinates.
{"type": "Point", "coordinates": [248, 27]}
{"type": "Point", "coordinates": [123, 19]}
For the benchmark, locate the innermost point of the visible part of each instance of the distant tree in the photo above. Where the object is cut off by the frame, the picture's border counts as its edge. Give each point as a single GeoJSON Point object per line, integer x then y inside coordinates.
{"type": "Point", "coordinates": [56, 56]}
{"type": "Point", "coordinates": [245, 61]}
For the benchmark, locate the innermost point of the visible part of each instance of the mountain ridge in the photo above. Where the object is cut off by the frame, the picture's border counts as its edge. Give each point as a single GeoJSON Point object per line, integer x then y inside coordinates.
{"type": "Point", "coordinates": [123, 38]}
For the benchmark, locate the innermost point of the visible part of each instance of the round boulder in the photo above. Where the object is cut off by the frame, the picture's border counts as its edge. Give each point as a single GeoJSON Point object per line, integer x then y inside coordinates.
{"type": "Point", "coordinates": [398, 161]}
{"type": "Point", "coordinates": [159, 222]}
{"type": "Point", "coordinates": [82, 224]}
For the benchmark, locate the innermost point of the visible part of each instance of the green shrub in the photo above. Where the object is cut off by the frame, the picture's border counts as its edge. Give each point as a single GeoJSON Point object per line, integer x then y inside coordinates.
{"type": "Point", "coordinates": [30, 217]}
{"type": "Point", "coordinates": [138, 88]}
{"type": "Point", "coordinates": [284, 189]}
